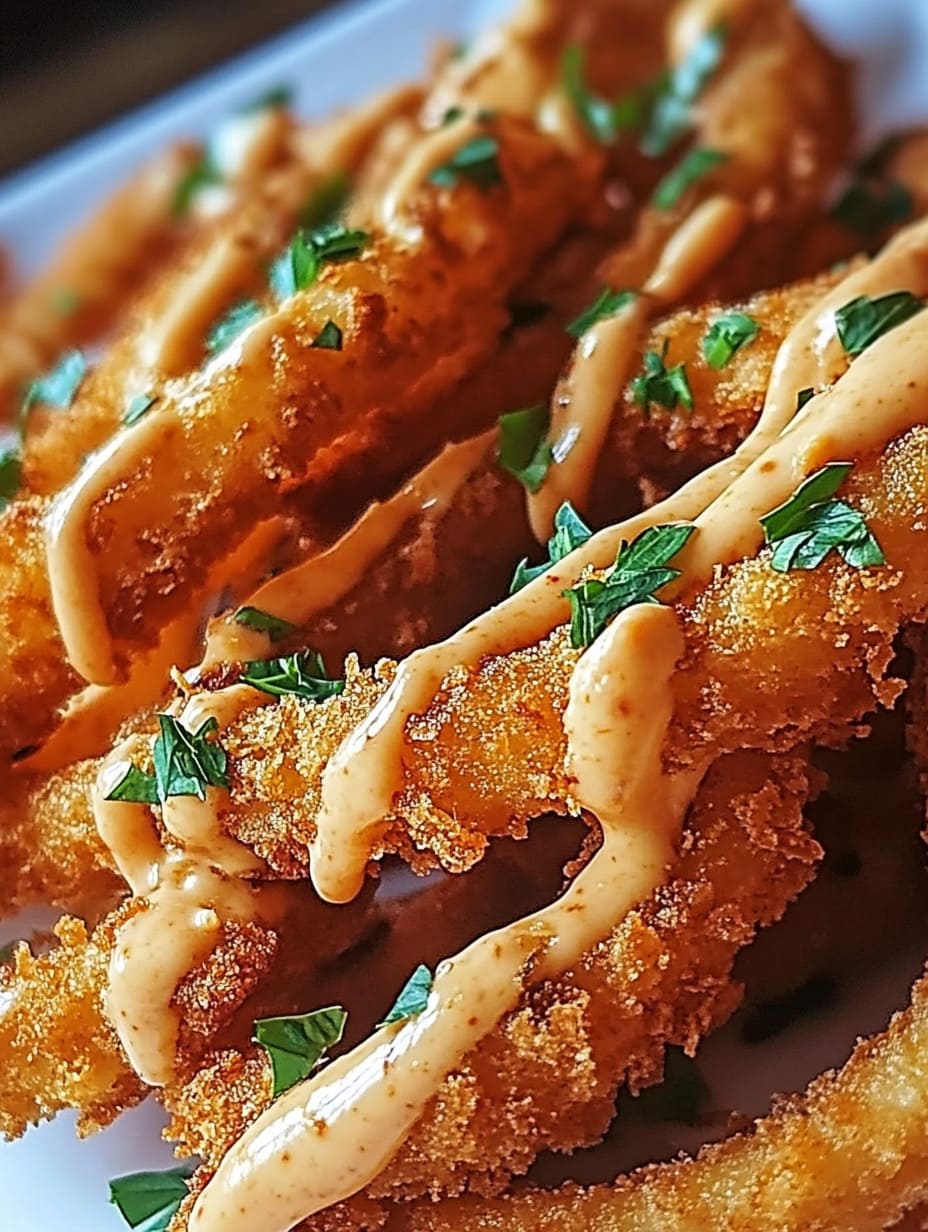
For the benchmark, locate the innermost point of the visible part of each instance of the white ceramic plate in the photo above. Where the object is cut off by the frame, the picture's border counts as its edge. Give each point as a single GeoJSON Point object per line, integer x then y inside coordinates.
{"type": "Point", "coordinates": [48, 1180]}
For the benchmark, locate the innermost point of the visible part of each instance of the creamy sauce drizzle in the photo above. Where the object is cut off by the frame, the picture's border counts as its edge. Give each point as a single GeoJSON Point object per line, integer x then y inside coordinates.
{"type": "Point", "coordinates": [432, 151]}
{"type": "Point", "coordinates": [302, 592]}
{"type": "Point", "coordinates": [604, 358]}
{"type": "Point", "coordinates": [340, 1129]}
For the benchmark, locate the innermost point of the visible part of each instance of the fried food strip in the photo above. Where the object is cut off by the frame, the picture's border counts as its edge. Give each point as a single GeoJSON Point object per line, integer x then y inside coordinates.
{"type": "Point", "coordinates": [58, 1047]}
{"type": "Point", "coordinates": [100, 266]}
{"type": "Point", "coordinates": [547, 1076]}
{"type": "Point", "coordinates": [851, 1152]}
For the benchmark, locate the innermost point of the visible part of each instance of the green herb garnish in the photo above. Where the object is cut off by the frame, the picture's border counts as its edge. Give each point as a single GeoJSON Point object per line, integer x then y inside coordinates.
{"type": "Point", "coordinates": [203, 173]}
{"type": "Point", "coordinates": [137, 407]}
{"type": "Point", "coordinates": [263, 622]}
{"type": "Point", "coordinates": [11, 475]}
{"type": "Point", "coordinates": [869, 208]}
{"type": "Point", "coordinates": [329, 338]}
{"type": "Point", "coordinates": [672, 111]}
{"type": "Point", "coordinates": [688, 171]}
{"type": "Point", "coordinates": [661, 386]}
{"type": "Point", "coordinates": [186, 763]}
{"type": "Point", "coordinates": [863, 320]}
{"type": "Point", "coordinates": [805, 528]}
{"type": "Point", "coordinates": [278, 96]}
{"type": "Point", "coordinates": [148, 1201]}
{"type": "Point", "coordinates": [804, 396]}
{"type": "Point", "coordinates": [524, 449]}
{"type": "Point", "coordinates": [570, 532]}
{"type": "Point", "coordinates": [299, 264]}
{"type": "Point", "coordinates": [477, 160]}
{"type": "Point", "coordinates": [599, 117]}
{"type": "Point", "coordinates": [640, 570]}
{"type": "Point", "coordinates": [297, 1044]}
{"type": "Point", "coordinates": [326, 202]}
{"type": "Point", "coordinates": [235, 322]}
{"type": "Point", "coordinates": [727, 334]}
{"type": "Point", "coordinates": [58, 386]}
{"type": "Point", "coordinates": [606, 304]}
{"type": "Point", "coordinates": [413, 997]}
{"type": "Point", "coordinates": [302, 674]}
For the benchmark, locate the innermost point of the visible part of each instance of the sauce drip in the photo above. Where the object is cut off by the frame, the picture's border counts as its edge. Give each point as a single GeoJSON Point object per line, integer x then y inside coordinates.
{"type": "Point", "coordinates": [327, 1137]}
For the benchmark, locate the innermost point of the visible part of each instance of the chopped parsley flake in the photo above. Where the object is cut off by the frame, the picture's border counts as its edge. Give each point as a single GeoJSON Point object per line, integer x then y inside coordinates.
{"type": "Point", "coordinates": [58, 386]}
{"type": "Point", "coordinates": [186, 763]}
{"type": "Point", "coordinates": [302, 674]}
{"type": "Point", "coordinates": [11, 474]}
{"type": "Point", "coordinates": [599, 117]}
{"type": "Point", "coordinates": [477, 160]}
{"type": "Point", "coordinates": [570, 532]}
{"type": "Point", "coordinates": [726, 335]}
{"type": "Point", "coordinates": [640, 570]}
{"type": "Point", "coordinates": [329, 338]}
{"type": "Point", "coordinates": [672, 111]}
{"type": "Point", "coordinates": [235, 322]}
{"type": "Point", "coordinates": [279, 96]}
{"type": "Point", "coordinates": [607, 304]}
{"type": "Point", "coordinates": [524, 449]}
{"type": "Point", "coordinates": [661, 386]}
{"type": "Point", "coordinates": [263, 622]}
{"type": "Point", "coordinates": [413, 997]}
{"type": "Point", "coordinates": [203, 173]}
{"type": "Point", "coordinates": [804, 396]}
{"type": "Point", "coordinates": [863, 320]}
{"type": "Point", "coordinates": [805, 528]}
{"type": "Point", "coordinates": [148, 1201]}
{"type": "Point", "coordinates": [869, 207]}
{"type": "Point", "coordinates": [326, 202]}
{"type": "Point", "coordinates": [299, 264]}
{"type": "Point", "coordinates": [297, 1044]}
{"type": "Point", "coordinates": [137, 407]}
{"type": "Point", "coordinates": [691, 168]}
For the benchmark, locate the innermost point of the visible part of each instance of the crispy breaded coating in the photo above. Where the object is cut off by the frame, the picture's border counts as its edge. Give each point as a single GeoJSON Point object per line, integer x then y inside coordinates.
{"type": "Point", "coordinates": [850, 1152]}
{"type": "Point", "coordinates": [57, 1046]}
{"type": "Point", "coordinates": [546, 1077]}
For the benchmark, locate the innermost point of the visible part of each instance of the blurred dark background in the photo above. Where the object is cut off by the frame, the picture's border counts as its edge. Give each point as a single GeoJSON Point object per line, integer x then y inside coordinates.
{"type": "Point", "coordinates": [67, 66]}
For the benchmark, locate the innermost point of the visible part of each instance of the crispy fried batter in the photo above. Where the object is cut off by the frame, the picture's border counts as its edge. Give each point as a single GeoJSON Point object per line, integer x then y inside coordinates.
{"type": "Point", "coordinates": [852, 1152]}
{"type": "Point", "coordinates": [547, 1076]}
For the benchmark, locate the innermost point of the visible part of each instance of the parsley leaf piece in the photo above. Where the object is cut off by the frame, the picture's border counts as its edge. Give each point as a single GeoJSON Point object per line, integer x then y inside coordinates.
{"type": "Point", "coordinates": [413, 997]}
{"type": "Point", "coordinates": [58, 386]}
{"type": "Point", "coordinates": [11, 474]}
{"type": "Point", "coordinates": [477, 160]}
{"type": "Point", "coordinates": [135, 787]}
{"type": "Point", "coordinates": [597, 115]}
{"type": "Point", "coordinates": [235, 322]}
{"type": "Point", "coordinates": [727, 334]}
{"type": "Point", "coordinates": [148, 1201]}
{"type": "Point", "coordinates": [869, 207]}
{"type": "Point", "coordinates": [689, 170]}
{"type": "Point", "coordinates": [657, 384]}
{"type": "Point", "coordinates": [299, 264]}
{"type": "Point", "coordinates": [863, 320]}
{"type": "Point", "coordinates": [297, 1044]}
{"type": "Point", "coordinates": [640, 570]}
{"type": "Point", "coordinates": [137, 407]}
{"type": "Point", "coordinates": [607, 304]}
{"type": "Point", "coordinates": [805, 528]}
{"type": "Point", "coordinates": [326, 201]}
{"type": "Point", "coordinates": [671, 112]}
{"type": "Point", "coordinates": [203, 173]}
{"type": "Point", "coordinates": [570, 532]}
{"type": "Point", "coordinates": [329, 338]}
{"type": "Point", "coordinates": [804, 396]}
{"type": "Point", "coordinates": [186, 763]}
{"type": "Point", "coordinates": [263, 622]}
{"type": "Point", "coordinates": [278, 96]}
{"type": "Point", "coordinates": [524, 449]}
{"type": "Point", "coordinates": [302, 674]}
